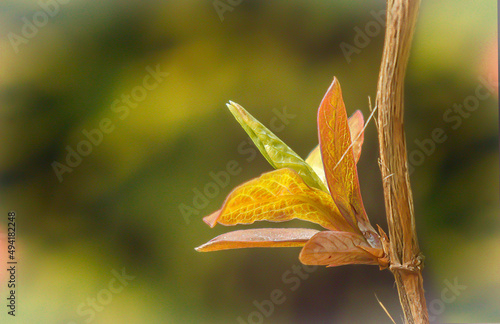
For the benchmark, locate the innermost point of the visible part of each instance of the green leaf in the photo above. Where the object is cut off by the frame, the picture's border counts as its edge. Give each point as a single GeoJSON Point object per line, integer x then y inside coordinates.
{"type": "Point", "coordinates": [276, 152]}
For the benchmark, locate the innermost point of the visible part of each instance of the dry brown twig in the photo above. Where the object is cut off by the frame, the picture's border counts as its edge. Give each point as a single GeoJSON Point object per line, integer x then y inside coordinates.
{"type": "Point", "coordinates": [403, 250]}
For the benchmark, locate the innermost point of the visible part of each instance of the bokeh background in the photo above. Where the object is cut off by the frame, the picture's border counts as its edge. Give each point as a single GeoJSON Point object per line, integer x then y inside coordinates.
{"type": "Point", "coordinates": [85, 63]}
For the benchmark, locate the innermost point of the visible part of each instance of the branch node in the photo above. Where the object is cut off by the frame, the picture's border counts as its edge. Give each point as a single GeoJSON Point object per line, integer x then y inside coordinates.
{"type": "Point", "coordinates": [414, 265]}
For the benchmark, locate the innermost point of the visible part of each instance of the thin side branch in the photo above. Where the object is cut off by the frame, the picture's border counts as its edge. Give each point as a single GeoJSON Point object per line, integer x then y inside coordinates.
{"type": "Point", "coordinates": [404, 253]}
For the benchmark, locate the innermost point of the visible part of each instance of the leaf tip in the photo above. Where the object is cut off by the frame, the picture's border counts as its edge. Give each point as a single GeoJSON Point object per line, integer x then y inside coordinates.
{"type": "Point", "coordinates": [238, 112]}
{"type": "Point", "coordinates": [358, 114]}
{"type": "Point", "coordinates": [233, 105]}
{"type": "Point", "coordinates": [335, 82]}
{"type": "Point", "coordinates": [211, 219]}
{"type": "Point", "coordinates": [203, 248]}
{"type": "Point", "coordinates": [334, 89]}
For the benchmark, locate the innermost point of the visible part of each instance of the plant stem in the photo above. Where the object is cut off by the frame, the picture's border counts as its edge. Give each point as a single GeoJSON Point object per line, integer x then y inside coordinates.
{"type": "Point", "coordinates": [403, 247]}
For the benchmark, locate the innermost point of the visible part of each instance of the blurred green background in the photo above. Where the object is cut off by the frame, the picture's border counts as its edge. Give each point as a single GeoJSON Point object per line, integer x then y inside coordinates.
{"type": "Point", "coordinates": [73, 67]}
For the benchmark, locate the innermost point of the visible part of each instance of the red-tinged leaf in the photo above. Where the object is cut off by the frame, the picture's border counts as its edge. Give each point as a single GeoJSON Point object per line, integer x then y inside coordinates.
{"type": "Point", "coordinates": [265, 237]}
{"type": "Point", "coordinates": [278, 196]}
{"type": "Point", "coordinates": [356, 124]}
{"type": "Point", "coordinates": [339, 161]}
{"type": "Point", "coordinates": [333, 248]}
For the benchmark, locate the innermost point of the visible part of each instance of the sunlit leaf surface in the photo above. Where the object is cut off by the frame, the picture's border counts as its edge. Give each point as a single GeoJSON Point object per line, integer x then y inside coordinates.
{"type": "Point", "coordinates": [278, 196]}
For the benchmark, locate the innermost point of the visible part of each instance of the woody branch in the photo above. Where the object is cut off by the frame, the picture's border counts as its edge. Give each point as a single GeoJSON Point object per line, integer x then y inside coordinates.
{"type": "Point", "coordinates": [403, 247]}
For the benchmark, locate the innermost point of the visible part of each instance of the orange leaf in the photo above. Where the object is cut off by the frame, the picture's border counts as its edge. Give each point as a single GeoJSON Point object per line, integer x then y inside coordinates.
{"type": "Point", "coordinates": [278, 196]}
{"type": "Point", "coordinates": [356, 124]}
{"type": "Point", "coordinates": [266, 237]}
{"type": "Point", "coordinates": [339, 161]}
{"type": "Point", "coordinates": [332, 248]}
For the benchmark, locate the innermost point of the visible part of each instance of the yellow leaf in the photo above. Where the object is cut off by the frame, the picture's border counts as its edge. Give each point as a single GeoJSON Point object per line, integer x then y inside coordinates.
{"type": "Point", "coordinates": [265, 237]}
{"type": "Point", "coordinates": [278, 196]}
